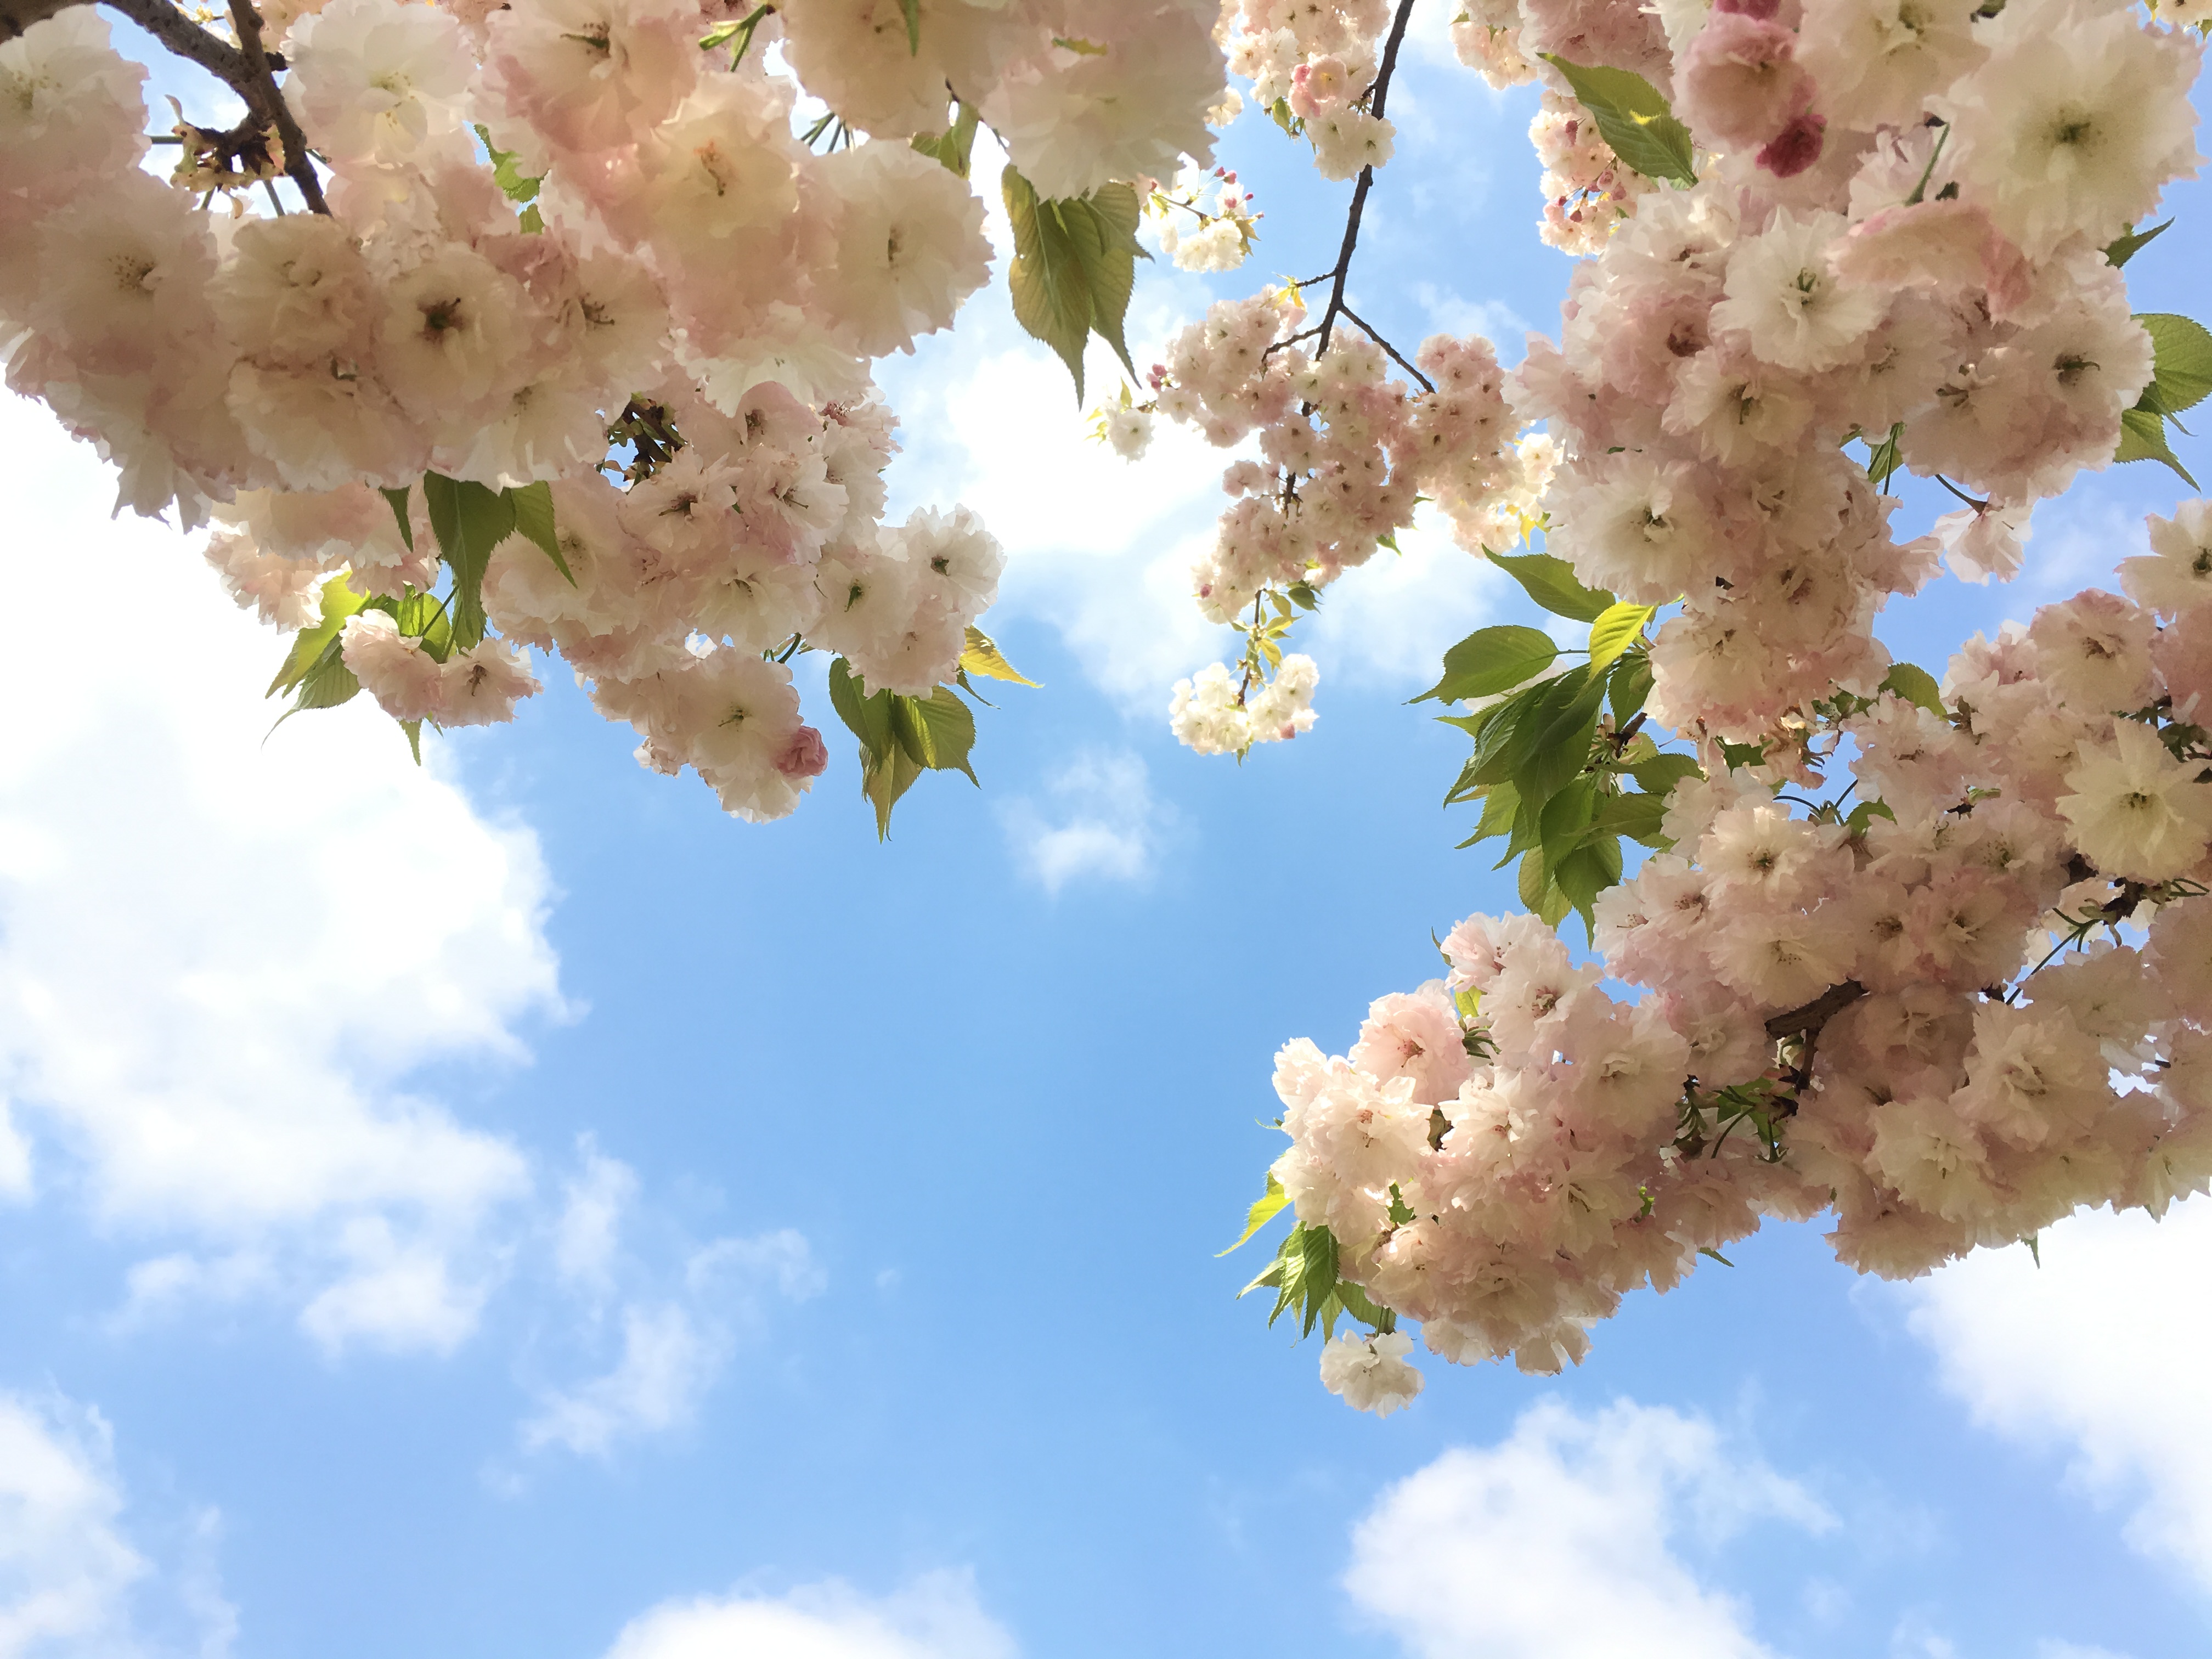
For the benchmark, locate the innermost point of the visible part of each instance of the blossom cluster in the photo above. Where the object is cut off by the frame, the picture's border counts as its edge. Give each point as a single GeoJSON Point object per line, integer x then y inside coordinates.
{"type": "Point", "coordinates": [1892, 236]}
{"type": "Point", "coordinates": [1946, 1020]}
{"type": "Point", "coordinates": [1313, 66]}
{"type": "Point", "coordinates": [582, 243]}
{"type": "Point", "coordinates": [1587, 190]}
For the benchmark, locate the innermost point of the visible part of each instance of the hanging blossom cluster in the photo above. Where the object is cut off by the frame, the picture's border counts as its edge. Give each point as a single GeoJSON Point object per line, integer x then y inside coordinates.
{"type": "Point", "coordinates": [1982, 998]}
{"type": "Point", "coordinates": [580, 249]}
{"type": "Point", "coordinates": [1587, 190]}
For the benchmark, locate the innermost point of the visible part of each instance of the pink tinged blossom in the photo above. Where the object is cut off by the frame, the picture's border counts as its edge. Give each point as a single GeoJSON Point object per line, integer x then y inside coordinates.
{"type": "Point", "coordinates": [2176, 577]}
{"type": "Point", "coordinates": [2094, 651]}
{"type": "Point", "coordinates": [1738, 85]}
{"type": "Point", "coordinates": [1796, 147]}
{"type": "Point", "coordinates": [804, 756]}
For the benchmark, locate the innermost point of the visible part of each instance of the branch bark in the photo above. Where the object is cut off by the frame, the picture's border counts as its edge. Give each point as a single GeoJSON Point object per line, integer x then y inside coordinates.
{"type": "Point", "coordinates": [1807, 1020]}
{"type": "Point", "coordinates": [262, 95]}
{"type": "Point", "coordinates": [1377, 97]}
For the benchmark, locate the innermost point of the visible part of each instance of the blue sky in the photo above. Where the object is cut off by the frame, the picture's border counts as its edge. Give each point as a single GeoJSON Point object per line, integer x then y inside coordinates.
{"type": "Point", "coordinates": [510, 1208]}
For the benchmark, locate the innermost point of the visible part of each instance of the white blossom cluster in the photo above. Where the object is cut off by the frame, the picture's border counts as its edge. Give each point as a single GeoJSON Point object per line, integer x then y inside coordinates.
{"type": "Point", "coordinates": [1313, 64]}
{"type": "Point", "coordinates": [691, 280]}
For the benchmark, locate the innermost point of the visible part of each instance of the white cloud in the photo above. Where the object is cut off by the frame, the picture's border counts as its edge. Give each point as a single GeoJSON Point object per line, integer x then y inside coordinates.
{"type": "Point", "coordinates": [2049, 1650]}
{"type": "Point", "coordinates": [1557, 1543]}
{"type": "Point", "coordinates": [589, 1231]}
{"type": "Point", "coordinates": [673, 1348]}
{"type": "Point", "coordinates": [936, 1616]}
{"type": "Point", "coordinates": [72, 1583]}
{"type": "Point", "coordinates": [669, 1360]}
{"type": "Point", "coordinates": [1388, 624]}
{"type": "Point", "coordinates": [1098, 819]}
{"type": "Point", "coordinates": [220, 957]}
{"type": "Point", "coordinates": [2104, 1351]}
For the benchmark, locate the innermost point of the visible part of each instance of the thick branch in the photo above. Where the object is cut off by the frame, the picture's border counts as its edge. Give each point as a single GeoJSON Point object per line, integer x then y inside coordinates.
{"type": "Point", "coordinates": [1808, 1020]}
{"type": "Point", "coordinates": [186, 39]}
{"type": "Point", "coordinates": [260, 92]}
{"type": "Point", "coordinates": [16, 15]}
{"type": "Point", "coordinates": [1377, 95]}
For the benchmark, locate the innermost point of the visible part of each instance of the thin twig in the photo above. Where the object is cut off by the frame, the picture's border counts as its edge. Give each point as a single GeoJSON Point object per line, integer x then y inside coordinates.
{"type": "Point", "coordinates": [261, 91]}
{"type": "Point", "coordinates": [1377, 95]}
{"type": "Point", "coordinates": [1372, 333]}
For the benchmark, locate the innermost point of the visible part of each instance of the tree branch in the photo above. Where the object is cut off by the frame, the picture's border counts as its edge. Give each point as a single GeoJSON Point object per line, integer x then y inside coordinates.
{"type": "Point", "coordinates": [1377, 95]}
{"type": "Point", "coordinates": [1807, 1021]}
{"type": "Point", "coordinates": [185, 37]}
{"type": "Point", "coordinates": [260, 92]}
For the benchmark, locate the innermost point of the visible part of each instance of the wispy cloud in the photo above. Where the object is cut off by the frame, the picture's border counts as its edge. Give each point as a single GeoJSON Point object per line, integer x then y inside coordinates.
{"type": "Point", "coordinates": [1096, 820]}
{"type": "Point", "coordinates": [936, 1616]}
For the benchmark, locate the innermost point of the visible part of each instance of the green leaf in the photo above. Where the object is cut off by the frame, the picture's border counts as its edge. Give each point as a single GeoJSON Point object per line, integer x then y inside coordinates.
{"type": "Point", "coordinates": [981, 656]}
{"type": "Point", "coordinates": [398, 499]}
{"type": "Point", "coordinates": [1633, 117]}
{"type": "Point", "coordinates": [1637, 816]}
{"type": "Point", "coordinates": [533, 518]}
{"type": "Point", "coordinates": [1075, 268]}
{"type": "Point", "coordinates": [1558, 740]}
{"type": "Point", "coordinates": [1551, 582]}
{"type": "Point", "coordinates": [913, 10]}
{"type": "Point", "coordinates": [948, 731]}
{"type": "Point", "coordinates": [1586, 872]}
{"type": "Point", "coordinates": [1499, 808]}
{"type": "Point", "coordinates": [505, 174]}
{"type": "Point", "coordinates": [1865, 813]}
{"type": "Point", "coordinates": [339, 602]}
{"type": "Point", "coordinates": [1264, 1210]}
{"type": "Point", "coordinates": [1566, 815]}
{"type": "Point", "coordinates": [1613, 632]}
{"type": "Point", "coordinates": [2126, 247]}
{"type": "Point", "coordinates": [1740, 754]}
{"type": "Point", "coordinates": [1490, 660]}
{"type": "Point", "coordinates": [1883, 458]}
{"type": "Point", "coordinates": [1916, 684]}
{"type": "Point", "coordinates": [2182, 351]}
{"type": "Point", "coordinates": [1303, 1275]}
{"type": "Point", "coordinates": [1659, 775]}
{"type": "Point", "coordinates": [2142, 438]}
{"type": "Point", "coordinates": [955, 146]}
{"type": "Point", "coordinates": [470, 521]}
{"type": "Point", "coordinates": [1631, 685]}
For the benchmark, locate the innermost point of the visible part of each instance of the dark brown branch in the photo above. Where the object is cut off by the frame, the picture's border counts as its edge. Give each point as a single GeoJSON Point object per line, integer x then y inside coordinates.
{"type": "Point", "coordinates": [1377, 95]}
{"type": "Point", "coordinates": [16, 15]}
{"type": "Point", "coordinates": [261, 94]}
{"type": "Point", "coordinates": [1807, 1021]}
{"type": "Point", "coordinates": [189, 41]}
{"type": "Point", "coordinates": [1369, 329]}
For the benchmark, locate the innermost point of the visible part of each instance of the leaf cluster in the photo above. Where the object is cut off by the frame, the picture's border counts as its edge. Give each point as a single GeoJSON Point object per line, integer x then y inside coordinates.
{"type": "Point", "coordinates": [1555, 754]}
{"type": "Point", "coordinates": [1074, 267]}
{"type": "Point", "coordinates": [902, 737]}
{"type": "Point", "coordinates": [2182, 377]}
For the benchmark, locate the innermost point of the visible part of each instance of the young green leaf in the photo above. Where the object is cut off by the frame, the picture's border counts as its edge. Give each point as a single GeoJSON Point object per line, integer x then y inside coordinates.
{"type": "Point", "coordinates": [2142, 438]}
{"type": "Point", "coordinates": [955, 146]}
{"type": "Point", "coordinates": [533, 518]}
{"type": "Point", "coordinates": [1551, 582]}
{"type": "Point", "coordinates": [1916, 684]}
{"type": "Point", "coordinates": [1074, 267]}
{"type": "Point", "coordinates": [1663, 772]}
{"type": "Point", "coordinates": [1630, 684]}
{"type": "Point", "coordinates": [1619, 628]}
{"type": "Point", "coordinates": [1633, 117]}
{"type": "Point", "coordinates": [2182, 351]}
{"type": "Point", "coordinates": [913, 10]}
{"type": "Point", "coordinates": [398, 497]}
{"type": "Point", "coordinates": [1264, 1210]}
{"type": "Point", "coordinates": [1490, 660]}
{"type": "Point", "coordinates": [470, 521]}
{"type": "Point", "coordinates": [981, 656]}
{"type": "Point", "coordinates": [2123, 249]}
{"type": "Point", "coordinates": [1637, 816]}
{"type": "Point", "coordinates": [339, 602]}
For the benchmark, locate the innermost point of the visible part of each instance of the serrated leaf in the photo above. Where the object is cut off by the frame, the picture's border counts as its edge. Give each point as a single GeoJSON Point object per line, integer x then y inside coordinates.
{"type": "Point", "coordinates": [1637, 816]}
{"type": "Point", "coordinates": [1659, 775]}
{"type": "Point", "coordinates": [533, 518]}
{"type": "Point", "coordinates": [2142, 438]}
{"type": "Point", "coordinates": [1612, 632]}
{"type": "Point", "coordinates": [470, 521]}
{"type": "Point", "coordinates": [2182, 348]}
{"type": "Point", "coordinates": [1632, 117]}
{"type": "Point", "coordinates": [2119, 251]}
{"type": "Point", "coordinates": [398, 498]}
{"type": "Point", "coordinates": [1264, 1209]}
{"type": "Point", "coordinates": [339, 603]}
{"type": "Point", "coordinates": [1916, 684]}
{"type": "Point", "coordinates": [1630, 684]}
{"type": "Point", "coordinates": [981, 656]}
{"type": "Point", "coordinates": [1566, 815]}
{"type": "Point", "coordinates": [1490, 660]}
{"type": "Point", "coordinates": [1499, 809]}
{"type": "Point", "coordinates": [414, 731]}
{"type": "Point", "coordinates": [1557, 740]}
{"type": "Point", "coordinates": [1551, 582]}
{"type": "Point", "coordinates": [949, 728]}
{"type": "Point", "coordinates": [1074, 267]}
